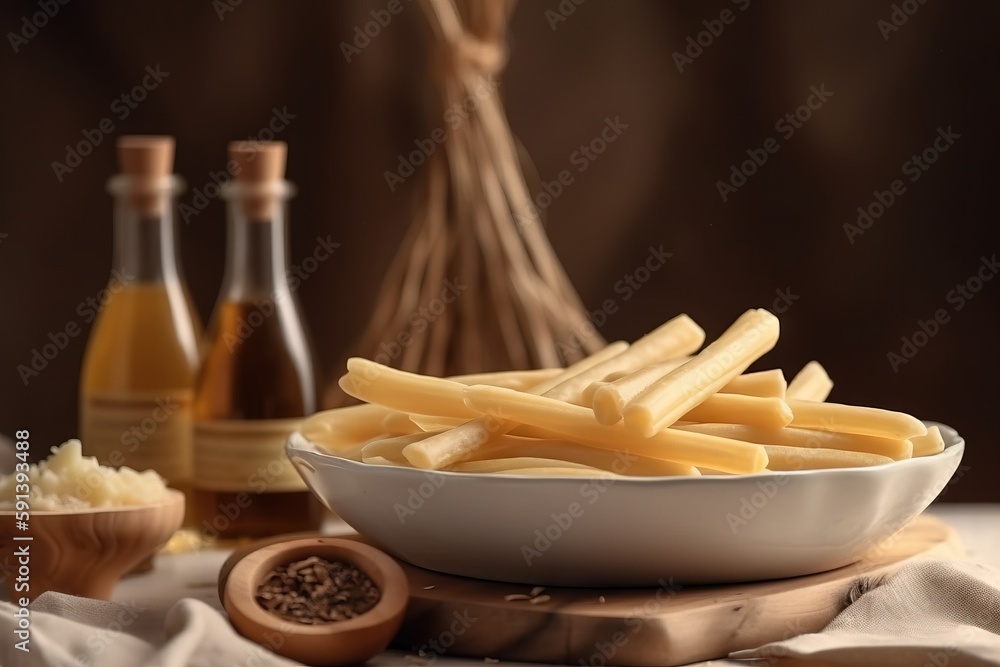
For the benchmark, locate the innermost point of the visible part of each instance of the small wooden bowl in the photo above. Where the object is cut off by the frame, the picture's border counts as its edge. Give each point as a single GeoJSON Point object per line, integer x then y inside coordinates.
{"type": "Point", "coordinates": [330, 644]}
{"type": "Point", "coordinates": [85, 552]}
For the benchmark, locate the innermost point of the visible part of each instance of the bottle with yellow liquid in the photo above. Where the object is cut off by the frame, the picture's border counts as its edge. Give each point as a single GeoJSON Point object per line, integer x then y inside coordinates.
{"type": "Point", "coordinates": [141, 360]}
{"type": "Point", "coordinates": [258, 375]}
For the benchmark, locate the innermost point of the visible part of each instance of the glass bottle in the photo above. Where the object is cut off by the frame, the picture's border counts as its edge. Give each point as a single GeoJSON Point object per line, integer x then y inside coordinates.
{"type": "Point", "coordinates": [141, 359]}
{"type": "Point", "coordinates": [258, 377]}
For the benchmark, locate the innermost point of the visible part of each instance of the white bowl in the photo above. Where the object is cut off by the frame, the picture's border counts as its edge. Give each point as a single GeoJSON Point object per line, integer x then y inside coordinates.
{"type": "Point", "coordinates": [634, 531]}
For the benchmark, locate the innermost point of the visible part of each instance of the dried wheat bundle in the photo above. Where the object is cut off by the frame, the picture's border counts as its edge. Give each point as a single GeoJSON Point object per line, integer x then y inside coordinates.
{"type": "Point", "coordinates": [477, 238]}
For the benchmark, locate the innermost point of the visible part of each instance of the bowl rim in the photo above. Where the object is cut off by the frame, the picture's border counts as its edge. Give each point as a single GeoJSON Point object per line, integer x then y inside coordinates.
{"type": "Point", "coordinates": [174, 496]}
{"type": "Point", "coordinates": [298, 443]}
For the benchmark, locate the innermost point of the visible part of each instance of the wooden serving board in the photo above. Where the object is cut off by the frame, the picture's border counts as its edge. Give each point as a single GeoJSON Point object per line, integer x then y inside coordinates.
{"type": "Point", "coordinates": [666, 626]}
{"type": "Point", "coordinates": [671, 625]}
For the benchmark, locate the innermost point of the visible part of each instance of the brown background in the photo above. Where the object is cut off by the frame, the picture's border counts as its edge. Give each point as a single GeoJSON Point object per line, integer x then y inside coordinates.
{"type": "Point", "coordinates": [654, 185]}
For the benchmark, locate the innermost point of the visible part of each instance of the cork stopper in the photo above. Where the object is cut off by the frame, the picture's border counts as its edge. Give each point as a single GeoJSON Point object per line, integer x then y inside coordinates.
{"type": "Point", "coordinates": [148, 162]}
{"type": "Point", "coordinates": [259, 167]}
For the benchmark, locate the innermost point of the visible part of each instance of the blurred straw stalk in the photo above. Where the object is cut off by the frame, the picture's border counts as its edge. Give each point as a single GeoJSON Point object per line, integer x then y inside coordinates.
{"type": "Point", "coordinates": [475, 285]}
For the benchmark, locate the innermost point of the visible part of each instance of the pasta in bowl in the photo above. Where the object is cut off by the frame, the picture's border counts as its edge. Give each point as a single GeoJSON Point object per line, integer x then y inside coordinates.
{"type": "Point", "coordinates": [613, 530]}
{"type": "Point", "coordinates": [642, 462]}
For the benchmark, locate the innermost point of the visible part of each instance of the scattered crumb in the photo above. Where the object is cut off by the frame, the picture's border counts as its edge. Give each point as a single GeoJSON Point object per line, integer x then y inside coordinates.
{"type": "Point", "coordinates": [185, 540]}
{"type": "Point", "coordinates": [601, 599]}
{"type": "Point", "coordinates": [533, 598]}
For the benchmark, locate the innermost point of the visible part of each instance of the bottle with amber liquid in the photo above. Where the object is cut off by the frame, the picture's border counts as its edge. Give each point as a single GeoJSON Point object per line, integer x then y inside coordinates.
{"type": "Point", "coordinates": [258, 375]}
{"type": "Point", "coordinates": [141, 359]}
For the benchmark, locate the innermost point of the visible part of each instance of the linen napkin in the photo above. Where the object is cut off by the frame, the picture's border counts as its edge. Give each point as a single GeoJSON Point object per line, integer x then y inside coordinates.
{"type": "Point", "coordinates": [928, 613]}
{"type": "Point", "coordinates": [68, 631]}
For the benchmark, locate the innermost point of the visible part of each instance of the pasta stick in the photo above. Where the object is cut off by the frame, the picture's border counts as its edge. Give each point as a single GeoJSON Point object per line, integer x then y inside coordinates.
{"type": "Point", "coordinates": [340, 432]}
{"type": "Point", "coordinates": [518, 462]}
{"type": "Point", "coordinates": [802, 458]}
{"type": "Point", "coordinates": [894, 448]}
{"type": "Point", "coordinates": [342, 450]}
{"type": "Point", "coordinates": [559, 472]}
{"type": "Point", "coordinates": [675, 338]}
{"type": "Point", "coordinates": [854, 419]}
{"type": "Point", "coordinates": [511, 379]}
{"type": "Point", "coordinates": [765, 384]}
{"type": "Point", "coordinates": [355, 421]}
{"type": "Point", "coordinates": [403, 391]}
{"type": "Point", "coordinates": [379, 384]}
{"type": "Point", "coordinates": [428, 423]}
{"type": "Point", "coordinates": [587, 396]}
{"type": "Point", "coordinates": [526, 440]}
{"type": "Point", "coordinates": [678, 336]}
{"type": "Point", "coordinates": [584, 366]}
{"type": "Point", "coordinates": [395, 389]}
{"type": "Point", "coordinates": [383, 461]}
{"type": "Point", "coordinates": [399, 423]}
{"type": "Point", "coordinates": [578, 423]}
{"type": "Point", "coordinates": [459, 443]}
{"type": "Point", "coordinates": [739, 409]}
{"type": "Point", "coordinates": [662, 404]}
{"type": "Point", "coordinates": [811, 383]}
{"type": "Point", "coordinates": [620, 462]}
{"type": "Point", "coordinates": [608, 400]}
{"type": "Point", "coordinates": [391, 447]}
{"type": "Point", "coordinates": [927, 445]}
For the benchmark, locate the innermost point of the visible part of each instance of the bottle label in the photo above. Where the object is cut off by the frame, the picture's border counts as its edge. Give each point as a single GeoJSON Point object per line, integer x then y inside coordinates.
{"type": "Point", "coordinates": [237, 455]}
{"type": "Point", "coordinates": [141, 430]}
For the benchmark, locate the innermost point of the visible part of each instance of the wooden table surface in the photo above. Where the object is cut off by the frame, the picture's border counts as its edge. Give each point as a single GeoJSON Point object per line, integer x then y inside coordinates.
{"type": "Point", "coordinates": [195, 574]}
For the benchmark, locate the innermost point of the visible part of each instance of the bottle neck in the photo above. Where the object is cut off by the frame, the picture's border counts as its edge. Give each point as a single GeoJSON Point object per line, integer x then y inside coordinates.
{"type": "Point", "coordinates": [256, 255]}
{"type": "Point", "coordinates": [145, 246]}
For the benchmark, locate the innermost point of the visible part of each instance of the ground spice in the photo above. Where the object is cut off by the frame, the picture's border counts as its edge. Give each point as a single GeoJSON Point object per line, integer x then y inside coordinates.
{"type": "Point", "coordinates": [315, 590]}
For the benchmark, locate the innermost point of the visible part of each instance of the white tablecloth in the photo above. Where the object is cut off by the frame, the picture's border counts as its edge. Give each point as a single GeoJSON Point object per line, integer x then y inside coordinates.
{"type": "Point", "coordinates": [195, 575]}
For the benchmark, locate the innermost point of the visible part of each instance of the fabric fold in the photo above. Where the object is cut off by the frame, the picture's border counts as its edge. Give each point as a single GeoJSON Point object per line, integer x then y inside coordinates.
{"type": "Point", "coordinates": [928, 613]}
{"type": "Point", "coordinates": [68, 631]}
